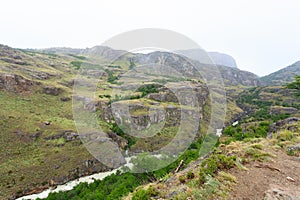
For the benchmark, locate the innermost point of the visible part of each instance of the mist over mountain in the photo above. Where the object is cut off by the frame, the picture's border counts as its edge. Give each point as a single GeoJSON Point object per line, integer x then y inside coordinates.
{"type": "Point", "coordinates": [209, 57]}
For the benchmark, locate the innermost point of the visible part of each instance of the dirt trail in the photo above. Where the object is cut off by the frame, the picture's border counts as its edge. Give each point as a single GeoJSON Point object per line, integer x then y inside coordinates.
{"type": "Point", "coordinates": [268, 180]}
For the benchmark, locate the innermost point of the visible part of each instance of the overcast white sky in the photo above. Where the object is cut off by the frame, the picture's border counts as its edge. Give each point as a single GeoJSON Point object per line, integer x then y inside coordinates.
{"type": "Point", "coordinates": [262, 35]}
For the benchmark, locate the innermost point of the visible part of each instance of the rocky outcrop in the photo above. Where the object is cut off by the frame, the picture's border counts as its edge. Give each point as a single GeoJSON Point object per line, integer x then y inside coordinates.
{"type": "Point", "coordinates": [191, 94]}
{"type": "Point", "coordinates": [290, 124]}
{"type": "Point", "coordinates": [277, 110]}
{"type": "Point", "coordinates": [222, 59]}
{"type": "Point", "coordinates": [143, 115]}
{"type": "Point", "coordinates": [64, 99]}
{"type": "Point", "coordinates": [294, 148]}
{"type": "Point", "coordinates": [14, 60]}
{"type": "Point", "coordinates": [209, 57]}
{"type": "Point", "coordinates": [235, 77]}
{"type": "Point", "coordinates": [15, 83]}
{"type": "Point", "coordinates": [122, 143]}
{"type": "Point", "coordinates": [86, 167]}
{"type": "Point", "coordinates": [51, 90]}
{"type": "Point", "coordinates": [197, 54]}
{"type": "Point", "coordinates": [67, 135]}
{"type": "Point", "coordinates": [194, 69]}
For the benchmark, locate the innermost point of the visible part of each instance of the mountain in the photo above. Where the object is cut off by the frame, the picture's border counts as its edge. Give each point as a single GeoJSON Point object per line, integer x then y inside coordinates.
{"type": "Point", "coordinates": [282, 76]}
{"type": "Point", "coordinates": [103, 53]}
{"type": "Point", "coordinates": [209, 57]}
{"type": "Point", "coordinates": [223, 59]}
{"type": "Point", "coordinates": [193, 68]}
{"type": "Point", "coordinates": [41, 146]}
{"type": "Point", "coordinates": [198, 57]}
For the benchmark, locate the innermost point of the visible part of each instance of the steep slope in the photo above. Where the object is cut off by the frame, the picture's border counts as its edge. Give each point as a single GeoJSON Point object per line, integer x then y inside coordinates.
{"type": "Point", "coordinates": [282, 76]}
{"type": "Point", "coordinates": [39, 144]}
{"type": "Point", "coordinates": [258, 158]}
{"type": "Point", "coordinates": [194, 68]}
{"type": "Point", "coordinates": [186, 62]}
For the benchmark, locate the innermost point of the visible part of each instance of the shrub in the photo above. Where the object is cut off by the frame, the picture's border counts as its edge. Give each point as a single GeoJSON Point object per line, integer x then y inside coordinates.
{"type": "Point", "coordinates": [182, 179]}
{"type": "Point", "coordinates": [143, 194]}
{"type": "Point", "coordinates": [148, 89]}
{"type": "Point", "coordinates": [111, 77]}
{"type": "Point", "coordinates": [218, 162]}
{"type": "Point", "coordinates": [76, 64]}
{"type": "Point", "coordinates": [295, 85]}
{"type": "Point", "coordinates": [190, 175]}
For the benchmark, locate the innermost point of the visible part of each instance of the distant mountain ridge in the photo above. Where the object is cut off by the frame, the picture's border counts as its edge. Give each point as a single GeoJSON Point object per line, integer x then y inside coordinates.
{"type": "Point", "coordinates": [282, 76]}
{"type": "Point", "coordinates": [209, 57]}
{"type": "Point", "coordinates": [223, 59]}
{"type": "Point", "coordinates": [198, 57]}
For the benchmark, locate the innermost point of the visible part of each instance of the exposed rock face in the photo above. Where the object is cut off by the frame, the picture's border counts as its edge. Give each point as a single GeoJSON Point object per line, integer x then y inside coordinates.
{"type": "Point", "coordinates": [86, 168]}
{"type": "Point", "coordinates": [209, 57]}
{"type": "Point", "coordinates": [10, 54]}
{"type": "Point", "coordinates": [122, 143]}
{"type": "Point", "coordinates": [14, 61]}
{"type": "Point", "coordinates": [235, 77]}
{"type": "Point", "coordinates": [275, 110]}
{"type": "Point", "coordinates": [67, 135]}
{"type": "Point", "coordinates": [15, 83]}
{"type": "Point", "coordinates": [182, 92]}
{"type": "Point", "coordinates": [194, 69]}
{"type": "Point", "coordinates": [222, 59]}
{"type": "Point", "coordinates": [145, 115]}
{"type": "Point", "coordinates": [103, 51]}
{"type": "Point", "coordinates": [289, 124]}
{"type": "Point", "coordinates": [52, 90]}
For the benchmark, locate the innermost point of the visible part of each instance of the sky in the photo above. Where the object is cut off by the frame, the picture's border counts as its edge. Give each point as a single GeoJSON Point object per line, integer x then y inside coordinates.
{"type": "Point", "coordinates": [262, 35]}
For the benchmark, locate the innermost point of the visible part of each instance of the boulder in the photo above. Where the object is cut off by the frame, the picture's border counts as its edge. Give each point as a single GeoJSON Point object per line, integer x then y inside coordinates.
{"type": "Point", "coordinates": [52, 90]}
{"type": "Point", "coordinates": [290, 124]}
{"type": "Point", "coordinates": [64, 99]}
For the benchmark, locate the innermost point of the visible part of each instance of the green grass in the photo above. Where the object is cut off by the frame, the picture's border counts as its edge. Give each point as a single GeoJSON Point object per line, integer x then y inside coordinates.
{"type": "Point", "coordinates": [22, 117]}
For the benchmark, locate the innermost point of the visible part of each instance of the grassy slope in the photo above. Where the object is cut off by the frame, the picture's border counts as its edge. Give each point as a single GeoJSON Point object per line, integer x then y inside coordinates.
{"type": "Point", "coordinates": [26, 162]}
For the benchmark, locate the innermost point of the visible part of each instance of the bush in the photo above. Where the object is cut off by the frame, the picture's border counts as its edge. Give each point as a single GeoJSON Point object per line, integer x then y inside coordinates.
{"type": "Point", "coordinates": [148, 89]}
{"type": "Point", "coordinates": [182, 179]}
{"type": "Point", "coordinates": [111, 77]}
{"type": "Point", "coordinates": [76, 64]}
{"type": "Point", "coordinates": [143, 194]}
{"type": "Point", "coordinates": [295, 85]}
{"type": "Point", "coordinates": [190, 175]}
{"type": "Point", "coordinates": [110, 188]}
{"type": "Point", "coordinates": [217, 162]}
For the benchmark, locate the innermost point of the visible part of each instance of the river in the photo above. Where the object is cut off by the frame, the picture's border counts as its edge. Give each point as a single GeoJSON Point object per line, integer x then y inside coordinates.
{"type": "Point", "coordinates": [71, 184]}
